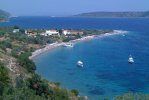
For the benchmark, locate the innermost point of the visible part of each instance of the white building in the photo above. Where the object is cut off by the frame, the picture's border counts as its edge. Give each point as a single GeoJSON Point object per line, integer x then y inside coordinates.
{"type": "Point", "coordinates": [16, 30]}
{"type": "Point", "coordinates": [65, 32]}
{"type": "Point", "coordinates": [51, 32]}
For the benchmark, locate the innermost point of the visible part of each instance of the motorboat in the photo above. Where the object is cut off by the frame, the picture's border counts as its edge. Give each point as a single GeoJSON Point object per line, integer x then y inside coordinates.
{"type": "Point", "coordinates": [130, 59]}
{"type": "Point", "coordinates": [68, 45]}
{"type": "Point", "coordinates": [80, 63]}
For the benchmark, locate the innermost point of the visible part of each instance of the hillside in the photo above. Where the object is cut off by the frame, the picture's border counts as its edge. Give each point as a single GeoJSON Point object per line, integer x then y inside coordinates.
{"type": "Point", "coordinates": [18, 79]}
{"type": "Point", "coordinates": [18, 76]}
{"type": "Point", "coordinates": [4, 15]}
{"type": "Point", "coordinates": [114, 14]}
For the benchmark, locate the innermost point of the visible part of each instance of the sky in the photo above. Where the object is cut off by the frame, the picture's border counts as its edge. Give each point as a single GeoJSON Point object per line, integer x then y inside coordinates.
{"type": "Point", "coordinates": [69, 7]}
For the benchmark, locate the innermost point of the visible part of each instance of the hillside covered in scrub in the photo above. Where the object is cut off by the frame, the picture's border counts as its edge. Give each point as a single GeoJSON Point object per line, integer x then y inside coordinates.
{"type": "Point", "coordinates": [131, 14]}
{"type": "Point", "coordinates": [18, 79]}
{"type": "Point", "coordinates": [4, 15]}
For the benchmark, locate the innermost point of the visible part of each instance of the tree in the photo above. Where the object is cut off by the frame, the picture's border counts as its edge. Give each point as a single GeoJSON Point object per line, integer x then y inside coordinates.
{"type": "Point", "coordinates": [22, 94]}
{"type": "Point", "coordinates": [16, 27]}
{"type": "Point", "coordinates": [61, 94]}
{"type": "Point", "coordinates": [60, 31]}
{"type": "Point", "coordinates": [5, 44]}
{"type": "Point", "coordinates": [22, 31]}
{"type": "Point", "coordinates": [40, 86]}
{"type": "Point", "coordinates": [25, 62]}
{"type": "Point", "coordinates": [20, 81]}
{"type": "Point", "coordinates": [4, 78]}
{"type": "Point", "coordinates": [132, 96]}
{"type": "Point", "coordinates": [75, 92]}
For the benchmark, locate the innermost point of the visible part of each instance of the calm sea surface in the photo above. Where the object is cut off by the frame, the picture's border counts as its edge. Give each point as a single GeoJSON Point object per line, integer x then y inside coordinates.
{"type": "Point", "coordinates": [106, 72]}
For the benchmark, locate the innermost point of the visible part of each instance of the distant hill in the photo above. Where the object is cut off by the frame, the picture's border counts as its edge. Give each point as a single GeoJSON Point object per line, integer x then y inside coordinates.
{"type": "Point", "coordinates": [115, 14]}
{"type": "Point", "coordinates": [4, 15]}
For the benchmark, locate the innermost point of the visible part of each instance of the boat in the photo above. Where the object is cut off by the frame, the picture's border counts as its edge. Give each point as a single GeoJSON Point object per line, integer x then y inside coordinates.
{"type": "Point", "coordinates": [68, 45]}
{"type": "Point", "coordinates": [130, 59]}
{"type": "Point", "coordinates": [80, 63]}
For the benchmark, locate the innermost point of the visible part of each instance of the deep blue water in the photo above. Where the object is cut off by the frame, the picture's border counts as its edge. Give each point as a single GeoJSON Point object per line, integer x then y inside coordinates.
{"type": "Point", "coordinates": [106, 72]}
{"type": "Point", "coordinates": [131, 24]}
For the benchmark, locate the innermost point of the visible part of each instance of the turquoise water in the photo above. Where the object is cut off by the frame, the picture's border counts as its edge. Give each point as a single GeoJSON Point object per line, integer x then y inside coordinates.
{"type": "Point", "coordinates": [106, 71]}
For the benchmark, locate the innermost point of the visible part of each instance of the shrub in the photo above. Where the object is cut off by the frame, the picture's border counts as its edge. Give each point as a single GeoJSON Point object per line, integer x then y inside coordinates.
{"type": "Point", "coordinates": [4, 78]}
{"type": "Point", "coordinates": [26, 62]}
{"type": "Point", "coordinates": [75, 92]}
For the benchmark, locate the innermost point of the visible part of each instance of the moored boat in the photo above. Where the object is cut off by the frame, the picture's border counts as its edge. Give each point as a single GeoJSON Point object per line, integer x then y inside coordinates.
{"type": "Point", "coordinates": [130, 59]}
{"type": "Point", "coordinates": [80, 63]}
{"type": "Point", "coordinates": [68, 45]}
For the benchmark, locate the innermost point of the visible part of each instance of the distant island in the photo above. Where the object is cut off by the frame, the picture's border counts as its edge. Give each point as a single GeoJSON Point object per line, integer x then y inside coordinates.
{"type": "Point", "coordinates": [4, 16]}
{"type": "Point", "coordinates": [131, 14]}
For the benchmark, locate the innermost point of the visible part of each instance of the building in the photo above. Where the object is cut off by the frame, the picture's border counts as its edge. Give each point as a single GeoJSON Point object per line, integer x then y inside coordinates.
{"type": "Point", "coordinates": [30, 33]}
{"type": "Point", "coordinates": [72, 32]}
{"type": "Point", "coordinates": [16, 30]}
{"type": "Point", "coordinates": [65, 32]}
{"type": "Point", "coordinates": [50, 32]}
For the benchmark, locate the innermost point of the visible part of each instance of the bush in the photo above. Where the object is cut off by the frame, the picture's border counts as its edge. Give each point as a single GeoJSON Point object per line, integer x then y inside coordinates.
{"type": "Point", "coordinates": [60, 94]}
{"type": "Point", "coordinates": [25, 62]}
{"type": "Point", "coordinates": [4, 78]}
{"type": "Point", "coordinates": [40, 86]}
{"type": "Point", "coordinates": [22, 94]}
{"type": "Point", "coordinates": [75, 92]}
{"type": "Point", "coordinates": [20, 83]}
{"type": "Point", "coordinates": [5, 44]}
{"type": "Point", "coordinates": [132, 96]}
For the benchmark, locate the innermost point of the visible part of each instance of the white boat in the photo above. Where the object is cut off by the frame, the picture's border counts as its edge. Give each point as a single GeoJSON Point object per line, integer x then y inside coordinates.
{"type": "Point", "coordinates": [80, 63]}
{"type": "Point", "coordinates": [130, 60]}
{"type": "Point", "coordinates": [68, 45]}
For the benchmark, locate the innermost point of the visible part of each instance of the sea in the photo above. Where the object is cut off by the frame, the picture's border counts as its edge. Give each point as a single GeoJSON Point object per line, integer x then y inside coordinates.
{"type": "Point", "coordinates": [106, 71]}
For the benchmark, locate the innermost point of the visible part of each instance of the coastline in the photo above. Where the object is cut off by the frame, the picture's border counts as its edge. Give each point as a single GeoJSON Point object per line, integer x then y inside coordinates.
{"type": "Point", "coordinates": [51, 46]}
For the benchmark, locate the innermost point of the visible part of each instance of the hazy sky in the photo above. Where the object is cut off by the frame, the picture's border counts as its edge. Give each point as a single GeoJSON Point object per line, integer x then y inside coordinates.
{"type": "Point", "coordinates": [70, 7]}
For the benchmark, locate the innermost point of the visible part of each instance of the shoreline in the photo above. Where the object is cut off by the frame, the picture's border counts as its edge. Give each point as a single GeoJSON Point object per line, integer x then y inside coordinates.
{"type": "Point", "coordinates": [51, 46]}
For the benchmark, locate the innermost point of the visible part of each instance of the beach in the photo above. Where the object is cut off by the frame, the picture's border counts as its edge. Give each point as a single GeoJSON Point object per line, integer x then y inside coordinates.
{"type": "Point", "coordinates": [51, 46]}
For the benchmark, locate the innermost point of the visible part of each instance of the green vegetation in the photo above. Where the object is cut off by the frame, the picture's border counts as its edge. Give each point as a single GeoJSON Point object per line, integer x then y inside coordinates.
{"type": "Point", "coordinates": [115, 14]}
{"type": "Point", "coordinates": [76, 92]}
{"type": "Point", "coordinates": [5, 44]}
{"type": "Point", "coordinates": [96, 32]}
{"type": "Point", "coordinates": [20, 82]}
{"type": "Point", "coordinates": [33, 88]}
{"type": "Point", "coordinates": [25, 62]}
{"type": "Point", "coordinates": [4, 78]}
{"type": "Point", "coordinates": [20, 94]}
{"type": "Point", "coordinates": [133, 96]}
{"type": "Point", "coordinates": [3, 75]}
